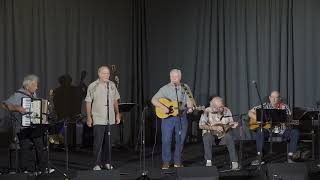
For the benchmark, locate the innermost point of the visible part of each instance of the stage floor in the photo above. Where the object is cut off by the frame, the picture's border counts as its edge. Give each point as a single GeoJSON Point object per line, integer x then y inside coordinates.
{"type": "Point", "coordinates": [127, 161]}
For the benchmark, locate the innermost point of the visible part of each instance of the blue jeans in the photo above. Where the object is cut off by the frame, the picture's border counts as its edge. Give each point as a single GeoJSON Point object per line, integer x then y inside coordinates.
{"type": "Point", "coordinates": [291, 135]}
{"type": "Point", "coordinates": [169, 125]}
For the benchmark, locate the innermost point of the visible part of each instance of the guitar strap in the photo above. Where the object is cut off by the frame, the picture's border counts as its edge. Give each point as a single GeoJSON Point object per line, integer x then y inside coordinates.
{"type": "Point", "coordinates": [189, 93]}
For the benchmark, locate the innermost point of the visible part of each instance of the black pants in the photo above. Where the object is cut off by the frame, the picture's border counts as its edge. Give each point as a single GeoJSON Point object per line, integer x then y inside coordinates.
{"type": "Point", "coordinates": [32, 149]}
{"type": "Point", "coordinates": [101, 143]}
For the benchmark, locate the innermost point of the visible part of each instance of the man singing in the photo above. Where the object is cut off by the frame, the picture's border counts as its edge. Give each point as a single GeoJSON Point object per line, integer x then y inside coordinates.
{"type": "Point", "coordinates": [102, 110]}
{"type": "Point", "coordinates": [173, 91]}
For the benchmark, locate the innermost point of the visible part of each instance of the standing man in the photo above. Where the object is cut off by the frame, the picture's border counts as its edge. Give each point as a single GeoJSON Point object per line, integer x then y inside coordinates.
{"type": "Point", "coordinates": [28, 136]}
{"type": "Point", "coordinates": [291, 134]}
{"type": "Point", "coordinates": [210, 123]}
{"type": "Point", "coordinates": [102, 109]}
{"type": "Point", "coordinates": [173, 91]}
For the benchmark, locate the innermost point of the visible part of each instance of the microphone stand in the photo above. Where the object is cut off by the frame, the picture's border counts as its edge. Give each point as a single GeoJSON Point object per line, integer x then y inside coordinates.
{"type": "Point", "coordinates": [14, 120]}
{"type": "Point", "coordinates": [109, 126]}
{"type": "Point", "coordinates": [318, 131]}
{"type": "Point", "coordinates": [49, 164]}
{"type": "Point", "coordinates": [241, 141]}
{"type": "Point", "coordinates": [15, 138]}
{"type": "Point", "coordinates": [144, 174]}
{"type": "Point", "coordinates": [179, 116]}
{"type": "Point", "coordinates": [262, 121]}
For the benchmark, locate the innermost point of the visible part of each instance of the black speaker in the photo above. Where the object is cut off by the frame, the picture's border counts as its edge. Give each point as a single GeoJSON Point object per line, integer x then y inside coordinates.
{"type": "Point", "coordinates": [98, 175]}
{"type": "Point", "coordinates": [287, 171]}
{"type": "Point", "coordinates": [198, 173]}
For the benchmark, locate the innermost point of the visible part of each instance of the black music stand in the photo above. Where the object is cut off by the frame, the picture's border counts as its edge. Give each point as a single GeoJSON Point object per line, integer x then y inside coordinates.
{"type": "Point", "coordinates": [309, 124]}
{"type": "Point", "coordinates": [124, 108]}
{"type": "Point", "coordinates": [272, 116]}
{"type": "Point", "coordinates": [308, 120]}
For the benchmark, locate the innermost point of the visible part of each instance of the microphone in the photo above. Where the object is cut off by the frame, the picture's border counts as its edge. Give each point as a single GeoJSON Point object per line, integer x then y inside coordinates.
{"type": "Point", "coordinates": [255, 84]}
{"type": "Point", "coordinates": [107, 83]}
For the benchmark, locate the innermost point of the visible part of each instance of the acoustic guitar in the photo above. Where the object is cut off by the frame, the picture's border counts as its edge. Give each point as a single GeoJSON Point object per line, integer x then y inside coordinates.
{"type": "Point", "coordinates": [253, 123]}
{"type": "Point", "coordinates": [173, 108]}
{"type": "Point", "coordinates": [225, 127]}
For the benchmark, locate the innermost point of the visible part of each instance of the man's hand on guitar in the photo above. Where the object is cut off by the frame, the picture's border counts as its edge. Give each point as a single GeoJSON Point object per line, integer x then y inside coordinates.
{"type": "Point", "coordinates": [234, 124]}
{"type": "Point", "coordinates": [165, 109]}
{"type": "Point", "coordinates": [217, 128]}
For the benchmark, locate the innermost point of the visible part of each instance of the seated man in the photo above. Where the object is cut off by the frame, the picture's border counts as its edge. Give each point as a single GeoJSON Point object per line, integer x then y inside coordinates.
{"type": "Point", "coordinates": [28, 136]}
{"type": "Point", "coordinates": [292, 135]}
{"type": "Point", "coordinates": [214, 115]}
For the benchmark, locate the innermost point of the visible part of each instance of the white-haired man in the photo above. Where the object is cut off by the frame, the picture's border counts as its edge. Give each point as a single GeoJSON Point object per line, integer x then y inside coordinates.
{"type": "Point", "coordinates": [178, 124]}
{"type": "Point", "coordinates": [290, 134]}
{"type": "Point", "coordinates": [210, 123]}
{"type": "Point", "coordinates": [102, 110]}
{"type": "Point", "coordinates": [28, 136]}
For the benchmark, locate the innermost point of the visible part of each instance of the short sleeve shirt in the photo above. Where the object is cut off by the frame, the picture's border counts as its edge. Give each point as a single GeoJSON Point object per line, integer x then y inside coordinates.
{"type": "Point", "coordinates": [97, 94]}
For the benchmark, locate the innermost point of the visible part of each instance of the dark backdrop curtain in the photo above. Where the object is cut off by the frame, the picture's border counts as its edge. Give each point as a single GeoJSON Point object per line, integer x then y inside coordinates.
{"type": "Point", "coordinates": [223, 45]}
{"type": "Point", "coordinates": [53, 37]}
{"type": "Point", "coordinates": [220, 46]}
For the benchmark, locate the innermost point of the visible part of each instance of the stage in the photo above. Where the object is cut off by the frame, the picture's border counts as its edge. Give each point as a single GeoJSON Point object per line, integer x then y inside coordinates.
{"type": "Point", "coordinates": [127, 161]}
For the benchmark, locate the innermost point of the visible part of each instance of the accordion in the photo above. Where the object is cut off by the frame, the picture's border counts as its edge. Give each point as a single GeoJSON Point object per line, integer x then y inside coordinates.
{"type": "Point", "coordinates": [36, 109]}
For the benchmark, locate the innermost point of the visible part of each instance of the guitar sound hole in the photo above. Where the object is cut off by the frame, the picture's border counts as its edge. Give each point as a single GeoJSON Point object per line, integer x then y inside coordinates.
{"type": "Point", "coordinates": [170, 110]}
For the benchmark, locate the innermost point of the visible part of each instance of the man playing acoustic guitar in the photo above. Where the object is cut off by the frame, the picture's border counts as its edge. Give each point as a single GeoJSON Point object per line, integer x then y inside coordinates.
{"type": "Point", "coordinates": [292, 135]}
{"type": "Point", "coordinates": [176, 119]}
{"type": "Point", "coordinates": [215, 122]}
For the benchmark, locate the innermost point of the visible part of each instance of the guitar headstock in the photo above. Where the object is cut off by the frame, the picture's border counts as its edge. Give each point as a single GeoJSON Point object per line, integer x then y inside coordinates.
{"type": "Point", "coordinates": [199, 108]}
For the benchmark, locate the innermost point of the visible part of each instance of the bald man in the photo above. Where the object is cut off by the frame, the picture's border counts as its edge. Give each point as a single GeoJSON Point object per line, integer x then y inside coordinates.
{"type": "Point", "coordinates": [102, 110]}
{"type": "Point", "coordinates": [292, 135]}
{"type": "Point", "coordinates": [217, 113]}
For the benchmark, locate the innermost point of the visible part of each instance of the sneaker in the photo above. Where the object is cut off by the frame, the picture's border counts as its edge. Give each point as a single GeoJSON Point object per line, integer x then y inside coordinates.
{"type": "Point", "coordinates": [256, 162]}
{"type": "Point", "coordinates": [235, 166]}
{"type": "Point", "coordinates": [178, 165]}
{"type": "Point", "coordinates": [49, 170]}
{"type": "Point", "coordinates": [209, 163]}
{"type": "Point", "coordinates": [290, 159]}
{"type": "Point", "coordinates": [97, 168]}
{"type": "Point", "coordinates": [108, 166]}
{"type": "Point", "coordinates": [165, 166]}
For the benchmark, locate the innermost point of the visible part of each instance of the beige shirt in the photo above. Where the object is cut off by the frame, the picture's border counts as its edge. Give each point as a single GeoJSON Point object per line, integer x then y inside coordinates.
{"type": "Point", "coordinates": [212, 118]}
{"type": "Point", "coordinates": [97, 95]}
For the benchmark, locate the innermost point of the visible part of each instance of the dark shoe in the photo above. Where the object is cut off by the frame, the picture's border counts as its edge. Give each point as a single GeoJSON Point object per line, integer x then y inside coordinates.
{"type": "Point", "coordinates": [178, 165]}
{"type": "Point", "coordinates": [165, 166]}
{"type": "Point", "coordinates": [258, 161]}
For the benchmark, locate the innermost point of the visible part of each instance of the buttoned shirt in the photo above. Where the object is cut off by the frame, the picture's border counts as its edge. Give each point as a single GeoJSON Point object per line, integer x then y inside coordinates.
{"type": "Point", "coordinates": [97, 94]}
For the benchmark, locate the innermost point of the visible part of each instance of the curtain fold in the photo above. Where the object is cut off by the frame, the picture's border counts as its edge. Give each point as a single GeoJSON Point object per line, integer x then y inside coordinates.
{"type": "Point", "coordinates": [221, 46]}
